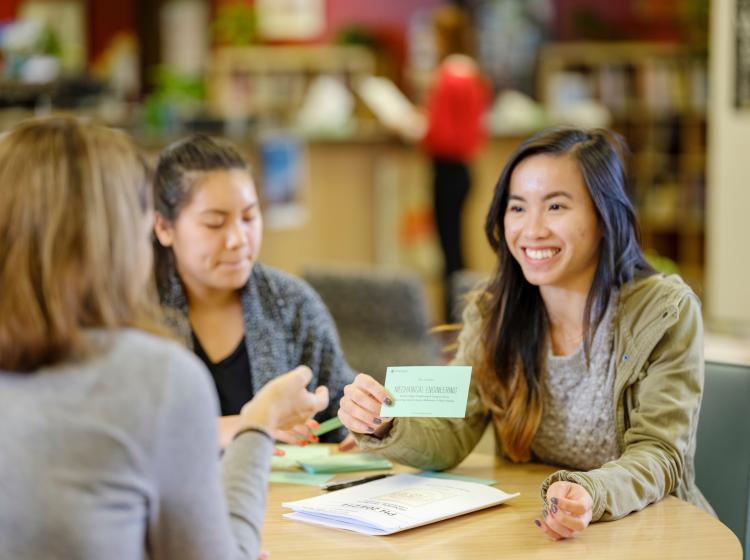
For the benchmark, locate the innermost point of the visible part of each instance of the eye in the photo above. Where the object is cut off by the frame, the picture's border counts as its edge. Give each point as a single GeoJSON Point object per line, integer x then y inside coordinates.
{"type": "Point", "coordinates": [213, 225]}
{"type": "Point", "coordinates": [556, 206]}
{"type": "Point", "coordinates": [249, 218]}
{"type": "Point", "coordinates": [513, 209]}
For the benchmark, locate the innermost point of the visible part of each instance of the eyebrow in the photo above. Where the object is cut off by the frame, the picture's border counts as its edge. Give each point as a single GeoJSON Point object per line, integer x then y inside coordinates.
{"type": "Point", "coordinates": [250, 206]}
{"type": "Point", "coordinates": [546, 196]}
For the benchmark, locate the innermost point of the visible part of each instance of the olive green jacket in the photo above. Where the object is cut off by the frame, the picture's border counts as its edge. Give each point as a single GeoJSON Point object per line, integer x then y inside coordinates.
{"type": "Point", "coordinates": [658, 344]}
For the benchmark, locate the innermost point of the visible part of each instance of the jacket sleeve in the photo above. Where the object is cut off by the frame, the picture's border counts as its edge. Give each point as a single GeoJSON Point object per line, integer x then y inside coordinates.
{"type": "Point", "coordinates": [661, 425]}
{"type": "Point", "coordinates": [439, 443]}
{"type": "Point", "coordinates": [321, 352]}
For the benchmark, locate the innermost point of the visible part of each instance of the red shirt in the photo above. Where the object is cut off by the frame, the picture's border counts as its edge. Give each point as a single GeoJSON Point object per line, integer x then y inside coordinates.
{"type": "Point", "coordinates": [455, 112]}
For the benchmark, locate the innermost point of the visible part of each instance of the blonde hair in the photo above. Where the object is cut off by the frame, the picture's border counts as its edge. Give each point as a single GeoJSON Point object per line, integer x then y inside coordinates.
{"type": "Point", "coordinates": [74, 240]}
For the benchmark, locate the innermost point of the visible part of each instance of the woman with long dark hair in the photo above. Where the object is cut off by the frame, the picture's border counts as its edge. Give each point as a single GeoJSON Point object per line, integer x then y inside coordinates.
{"type": "Point", "coordinates": [583, 355]}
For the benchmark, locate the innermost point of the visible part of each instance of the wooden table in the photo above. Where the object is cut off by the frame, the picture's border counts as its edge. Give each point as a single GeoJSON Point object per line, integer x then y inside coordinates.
{"type": "Point", "coordinates": [670, 528]}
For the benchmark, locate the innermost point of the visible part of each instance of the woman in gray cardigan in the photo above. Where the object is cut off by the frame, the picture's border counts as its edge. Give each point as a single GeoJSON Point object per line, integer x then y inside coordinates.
{"type": "Point", "coordinates": [247, 322]}
{"type": "Point", "coordinates": [109, 446]}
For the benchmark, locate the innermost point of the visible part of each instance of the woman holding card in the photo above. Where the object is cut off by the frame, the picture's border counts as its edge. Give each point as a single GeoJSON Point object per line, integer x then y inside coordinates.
{"type": "Point", "coordinates": [109, 447]}
{"type": "Point", "coordinates": [582, 354]}
{"type": "Point", "coordinates": [246, 321]}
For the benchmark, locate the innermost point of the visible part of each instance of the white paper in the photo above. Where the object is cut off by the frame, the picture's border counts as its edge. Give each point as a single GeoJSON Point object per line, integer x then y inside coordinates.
{"type": "Point", "coordinates": [395, 504]}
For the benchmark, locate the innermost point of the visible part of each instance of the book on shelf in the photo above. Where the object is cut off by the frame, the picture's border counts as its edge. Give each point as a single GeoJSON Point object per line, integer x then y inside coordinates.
{"type": "Point", "coordinates": [395, 503]}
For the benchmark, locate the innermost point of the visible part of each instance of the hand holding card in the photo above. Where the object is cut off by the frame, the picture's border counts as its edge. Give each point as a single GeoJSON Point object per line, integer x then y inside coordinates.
{"type": "Point", "coordinates": [427, 391]}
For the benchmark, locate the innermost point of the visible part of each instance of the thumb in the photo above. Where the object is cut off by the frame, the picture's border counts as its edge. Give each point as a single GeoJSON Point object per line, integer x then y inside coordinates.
{"type": "Point", "coordinates": [320, 397]}
{"type": "Point", "coordinates": [302, 375]}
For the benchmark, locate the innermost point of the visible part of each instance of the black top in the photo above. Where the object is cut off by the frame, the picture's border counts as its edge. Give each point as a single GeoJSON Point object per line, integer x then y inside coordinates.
{"type": "Point", "coordinates": [234, 384]}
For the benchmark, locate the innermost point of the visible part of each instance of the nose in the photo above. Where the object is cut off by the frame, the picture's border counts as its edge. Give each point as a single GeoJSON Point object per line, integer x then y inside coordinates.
{"type": "Point", "coordinates": [535, 225]}
{"type": "Point", "coordinates": [236, 236]}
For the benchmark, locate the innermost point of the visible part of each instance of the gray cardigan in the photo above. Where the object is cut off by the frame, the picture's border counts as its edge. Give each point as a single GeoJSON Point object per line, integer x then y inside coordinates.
{"type": "Point", "coordinates": [286, 325]}
{"type": "Point", "coordinates": [116, 457]}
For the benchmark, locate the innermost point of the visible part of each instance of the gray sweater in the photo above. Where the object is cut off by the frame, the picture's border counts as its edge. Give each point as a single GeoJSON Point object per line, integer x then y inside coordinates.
{"type": "Point", "coordinates": [286, 325]}
{"type": "Point", "coordinates": [117, 458]}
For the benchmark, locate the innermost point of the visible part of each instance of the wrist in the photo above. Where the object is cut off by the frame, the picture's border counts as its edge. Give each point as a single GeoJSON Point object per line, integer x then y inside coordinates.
{"type": "Point", "coordinates": [254, 415]}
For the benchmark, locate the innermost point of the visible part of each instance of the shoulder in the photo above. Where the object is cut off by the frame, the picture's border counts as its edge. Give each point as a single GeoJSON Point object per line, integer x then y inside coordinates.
{"type": "Point", "coordinates": [284, 289]}
{"type": "Point", "coordinates": [155, 361]}
{"type": "Point", "coordinates": [655, 295]}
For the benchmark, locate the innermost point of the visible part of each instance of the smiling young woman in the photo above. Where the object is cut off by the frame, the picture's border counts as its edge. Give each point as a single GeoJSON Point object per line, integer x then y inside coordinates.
{"type": "Point", "coordinates": [583, 355]}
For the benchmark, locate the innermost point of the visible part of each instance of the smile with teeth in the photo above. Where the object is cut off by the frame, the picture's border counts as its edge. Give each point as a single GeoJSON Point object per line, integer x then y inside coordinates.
{"type": "Point", "coordinates": [540, 254]}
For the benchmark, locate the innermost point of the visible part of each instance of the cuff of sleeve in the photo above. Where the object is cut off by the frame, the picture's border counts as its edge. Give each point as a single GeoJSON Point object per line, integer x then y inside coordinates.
{"type": "Point", "coordinates": [592, 487]}
{"type": "Point", "coordinates": [256, 430]}
{"type": "Point", "coordinates": [367, 442]}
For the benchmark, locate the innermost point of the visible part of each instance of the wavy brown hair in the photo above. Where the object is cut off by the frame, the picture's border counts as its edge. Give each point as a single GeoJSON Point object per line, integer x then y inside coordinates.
{"type": "Point", "coordinates": [514, 322]}
{"type": "Point", "coordinates": [74, 240]}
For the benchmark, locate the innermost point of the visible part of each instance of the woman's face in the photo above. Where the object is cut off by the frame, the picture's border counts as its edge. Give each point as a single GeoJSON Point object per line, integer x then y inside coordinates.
{"type": "Point", "coordinates": [551, 225]}
{"type": "Point", "coordinates": [216, 237]}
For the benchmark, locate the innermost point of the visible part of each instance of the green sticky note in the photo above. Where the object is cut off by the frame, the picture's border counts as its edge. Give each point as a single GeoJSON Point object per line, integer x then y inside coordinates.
{"type": "Point", "coordinates": [299, 478]}
{"type": "Point", "coordinates": [293, 454]}
{"type": "Point", "coordinates": [451, 476]}
{"type": "Point", "coordinates": [346, 462]}
{"type": "Point", "coordinates": [427, 391]}
{"type": "Point", "coordinates": [328, 426]}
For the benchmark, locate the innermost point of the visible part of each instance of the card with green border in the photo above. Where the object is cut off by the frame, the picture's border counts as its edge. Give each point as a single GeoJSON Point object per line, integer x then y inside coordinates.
{"type": "Point", "coordinates": [427, 391]}
{"type": "Point", "coordinates": [293, 454]}
{"type": "Point", "coordinates": [346, 462]}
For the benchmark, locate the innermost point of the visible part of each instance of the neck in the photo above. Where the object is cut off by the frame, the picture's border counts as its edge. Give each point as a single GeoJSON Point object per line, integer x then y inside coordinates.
{"type": "Point", "coordinates": [565, 305]}
{"type": "Point", "coordinates": [202, 297]}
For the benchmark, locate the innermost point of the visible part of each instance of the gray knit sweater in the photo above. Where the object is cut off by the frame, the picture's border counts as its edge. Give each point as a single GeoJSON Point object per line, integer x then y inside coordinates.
{"type": "Point", "coordinates": [117, 458]}
{"type": "Point", "coordinates": [286, 325]}
{"type": "Point", "coordinates": [578, 422]}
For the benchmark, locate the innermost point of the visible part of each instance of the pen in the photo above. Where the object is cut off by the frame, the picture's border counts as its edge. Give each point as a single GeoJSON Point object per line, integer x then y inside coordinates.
{"type": "Point", "coordinates": [338, 485]}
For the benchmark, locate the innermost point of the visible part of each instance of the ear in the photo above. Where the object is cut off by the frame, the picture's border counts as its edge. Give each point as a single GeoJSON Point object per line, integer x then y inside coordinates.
{"type": "Point", "coordinates": [163, 230]}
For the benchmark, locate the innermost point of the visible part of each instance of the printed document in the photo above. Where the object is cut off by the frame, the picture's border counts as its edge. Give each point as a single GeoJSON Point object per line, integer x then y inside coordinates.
{"type": "Point", "coordinates": [395, 503]}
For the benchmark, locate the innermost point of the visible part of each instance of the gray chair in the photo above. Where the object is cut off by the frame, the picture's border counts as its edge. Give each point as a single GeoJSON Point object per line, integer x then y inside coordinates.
{"type": "Point", "coordinates": [722, 459]}
{"type": "Point", "coordinates": [381, 316]}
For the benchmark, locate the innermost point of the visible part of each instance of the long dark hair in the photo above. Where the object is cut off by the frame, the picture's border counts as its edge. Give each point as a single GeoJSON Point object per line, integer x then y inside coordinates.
{"type": "Point", "coordinates": [179, 168]}
{"type": "Point", "coordinates": [514, 319]}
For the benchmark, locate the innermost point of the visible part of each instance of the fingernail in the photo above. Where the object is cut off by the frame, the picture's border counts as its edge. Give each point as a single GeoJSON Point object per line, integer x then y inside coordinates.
{"type": "Point", "coordinates": [554, 508]}
{"type": "Point", "coordinates": [316, 439]}
{"type": "Point", "coordinates": [369, 429]}
{"type": "Point", "coordinates": [545, 512]}
{"type": "Point", "coordinates": [388, 401]}
{"type": "Point", "coordinates": [538, 523]}
{"type": "Point", "coordinates": [553, 501]}
{"type": "Point", "coordinates": [377, 420]}
{"type": "Point", "coordinates": [314, 425]}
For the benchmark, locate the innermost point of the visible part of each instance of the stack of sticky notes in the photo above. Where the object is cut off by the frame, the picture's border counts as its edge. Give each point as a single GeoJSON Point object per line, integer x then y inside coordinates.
{"type": "Point", "coordinates": [345, 462]}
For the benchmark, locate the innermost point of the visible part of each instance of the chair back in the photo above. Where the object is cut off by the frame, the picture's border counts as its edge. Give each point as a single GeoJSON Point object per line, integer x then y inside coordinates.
{"type": "Point", "coordinates": [722, 458]}
{"type": "Point", "coordinates": [381, 316]}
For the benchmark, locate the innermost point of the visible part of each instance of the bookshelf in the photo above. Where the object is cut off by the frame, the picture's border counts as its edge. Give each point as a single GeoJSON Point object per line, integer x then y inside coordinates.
{"type": "Point", "coordinates": [657, 95]}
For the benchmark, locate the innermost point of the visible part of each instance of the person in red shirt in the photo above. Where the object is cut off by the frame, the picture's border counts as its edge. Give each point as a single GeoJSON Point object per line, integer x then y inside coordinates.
{"type": "Point", "coordinates": [454, 132]}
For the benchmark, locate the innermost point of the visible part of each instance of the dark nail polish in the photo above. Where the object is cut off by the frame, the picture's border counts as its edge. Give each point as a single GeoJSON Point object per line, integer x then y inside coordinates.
{"type": "Point", "coordinates": [538, 523]}
{"type": "Point", "coordinates": [554, 508]}
{"type": "Point", "coordinates": [388, 401]}
{"type": "Point", "coordinates": [369, 429]}
{"type": "Point", "coordinates": [377, 421]}
{"type": "Point", "coordinates": [544, 512]}
{"type": "Point", "coordinates": [553, 501]}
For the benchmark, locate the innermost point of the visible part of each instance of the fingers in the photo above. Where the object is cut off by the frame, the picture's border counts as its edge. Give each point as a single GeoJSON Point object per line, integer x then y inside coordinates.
{"type": "Point", "coordinates": [544, 528]}
{"type": "Point", "coordinates": [552, 520]}
{"type": "Point", "coordinates": [302, 375]}
{"type": "Point", "coordinates": [352, 423]}
{"type": "Point", "coordinates": [368, 385]}
{"type": "Point", "coordinates": [574, 507]}
{"type": "Point", "coordinates": [320, 398]}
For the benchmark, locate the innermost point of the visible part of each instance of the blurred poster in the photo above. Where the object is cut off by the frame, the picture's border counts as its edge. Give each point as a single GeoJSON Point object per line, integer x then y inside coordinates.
{"type": "Point", "coordinates": [284, 176]}
{"type": "Point", "coordinates": [290, 19]}
{"type": "Point", "coordinates": [742, 71]}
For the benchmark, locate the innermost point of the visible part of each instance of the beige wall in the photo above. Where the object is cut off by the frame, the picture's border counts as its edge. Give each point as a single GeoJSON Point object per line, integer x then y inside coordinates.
{"type": "Point", "coordinates": [728, 204]}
